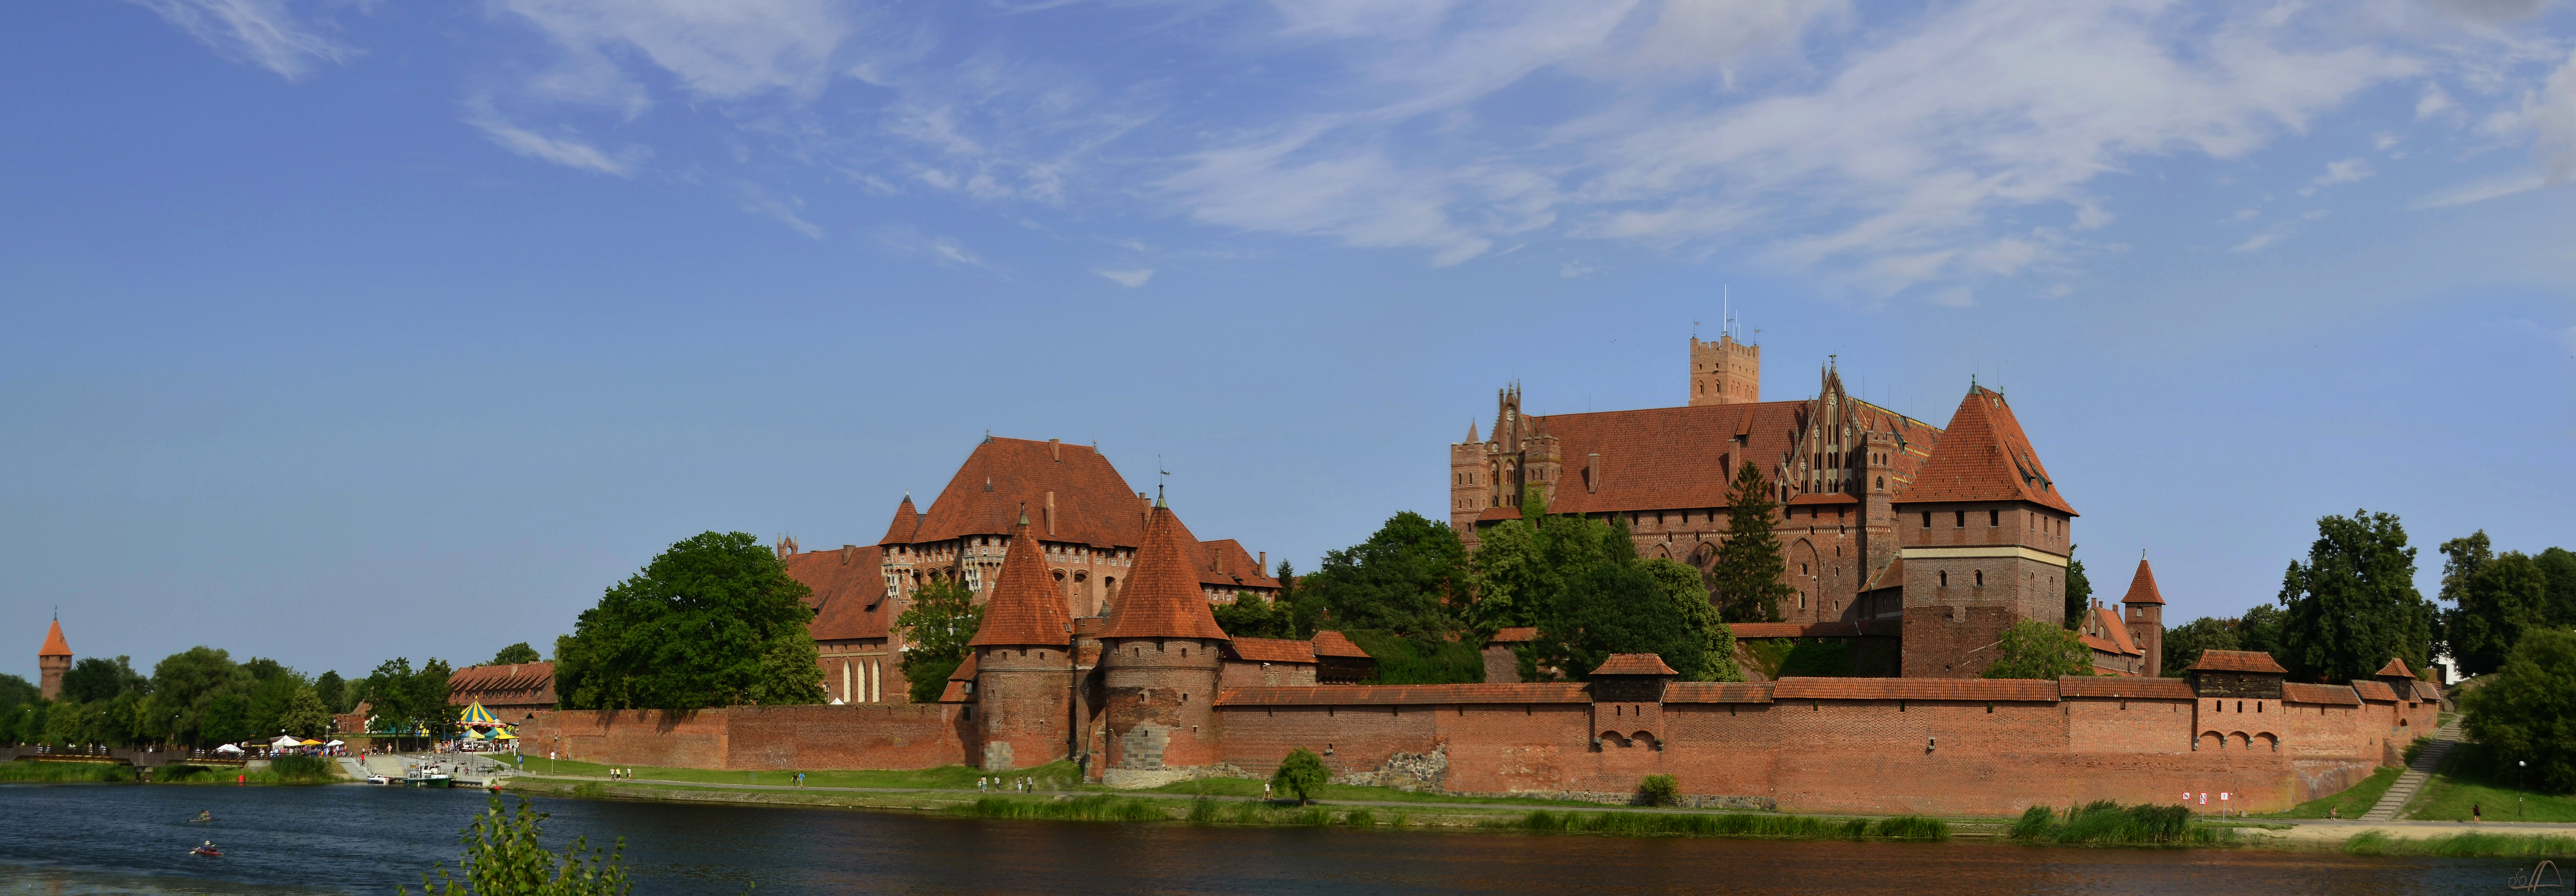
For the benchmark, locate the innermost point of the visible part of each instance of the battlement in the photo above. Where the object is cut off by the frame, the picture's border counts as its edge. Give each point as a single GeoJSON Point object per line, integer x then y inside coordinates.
{"type": "Point", "coordinates": [1725, 372]}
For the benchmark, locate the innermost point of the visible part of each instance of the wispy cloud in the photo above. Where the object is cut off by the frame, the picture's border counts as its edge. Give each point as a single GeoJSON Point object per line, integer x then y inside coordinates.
{"type": "Point", "coordinates": [1129, 279]}
{"type": "Point", "coordinates": [2343, 172]}
{"type": "Point", "coordinates": [566, 150]}
{"type": "Point", "coordinates": [942, 250]}
{"type": "Point", "coordinates": [785, 211]}
{"type": "Point", "coordinates": [2274, 234]}
{"type": "Point", "coordinates": [265, 33]}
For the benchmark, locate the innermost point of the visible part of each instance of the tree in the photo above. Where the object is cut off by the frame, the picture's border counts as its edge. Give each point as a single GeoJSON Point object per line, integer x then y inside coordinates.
{"type": "Point", "coordinates": [503, 854]}
{"type": "Point", "coordinates": [516, 654]}
{"type": "Point", "coordinates": [186, 686]}
{"type": "Point", "coordinates": [2559, 566]}
{"type": "Point", "coordinates": [942, 618]}
{"type": "Point", "coordinates": [99, 678]}
{"type": "Point", "coordinates": [2353, 605]}
{"type": "Point", "coordinates": [1687, 590]}
{"type": "Point", "coordinates": [332, 690]}
{"type": "Point", "coordinates": [2497, 598]}
{"type": "Point", "coordinates": [2527, 711]}
{"type": "Point", "coordinates": [2259, 629]}
{"type": "Point", "coordinates": [2035, 649]}
{"type": "Point", "coordinates": [1409, 577]}
{"type": "Point", "coordinates": [1747, 576]}
{"type": "Point", "coordinates": [1254, 616]}
{"type": "Point", "coordinates": [713, 621]}
{"type": "Point", "coordinates": [2079, 591]}
{"type": "Point", "coordinates": [1302, 773]}
{"type": "Point", "coordinates": [1616, 607]}
{"type": "Point", "coordinates": [305, 716]}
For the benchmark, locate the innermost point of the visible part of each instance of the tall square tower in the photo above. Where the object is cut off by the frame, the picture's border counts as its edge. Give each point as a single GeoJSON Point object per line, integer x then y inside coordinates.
{"type": "Point", "coordinates": [1725, 372]}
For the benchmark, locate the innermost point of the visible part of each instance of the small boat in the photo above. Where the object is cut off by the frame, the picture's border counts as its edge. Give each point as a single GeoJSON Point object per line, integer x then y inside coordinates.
{"type": "Point", "coordinates": [379, 779]}
{"type": "Point", "coordinates": [202, 818]}
{"type": "Point", "coordinates": [207, 851]}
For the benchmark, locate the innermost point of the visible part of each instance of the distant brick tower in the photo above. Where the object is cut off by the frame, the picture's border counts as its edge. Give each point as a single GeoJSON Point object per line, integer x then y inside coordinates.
{"type": "Point", "coordinates": [1725, 372]}
{"type": "Point", "coordinates": [1023, 665]}
{"type": "Point", "coordinates": [1158, 667]}
{"type": "Point", "coordinates": [2146, 618]}
{"type": "Point", "coordinates": [1983, 533]}
{"type": "Point", "coordinates": [52, 660]}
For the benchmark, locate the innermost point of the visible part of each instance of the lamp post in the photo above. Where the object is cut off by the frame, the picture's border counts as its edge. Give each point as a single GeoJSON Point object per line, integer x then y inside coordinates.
{"type": "Point", "coordinates": [2518, 774]}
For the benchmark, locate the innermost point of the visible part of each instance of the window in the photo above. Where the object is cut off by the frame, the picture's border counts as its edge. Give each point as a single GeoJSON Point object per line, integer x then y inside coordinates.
{"type": "Point", "coordinates": [1994, 518]}
{"type": "Point", "coordinates": [1961, 521]}
{"type": "Point", "coordinates": [1981, 578]}
{"type": "Point", "coordinates": [1945, 578]}
{"type": "Point", "coordinates": [1927, 519]}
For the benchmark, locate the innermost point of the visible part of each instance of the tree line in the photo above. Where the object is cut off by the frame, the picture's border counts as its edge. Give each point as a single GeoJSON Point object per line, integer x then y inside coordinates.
{"type": "Point", "coordinates": [200, 697]}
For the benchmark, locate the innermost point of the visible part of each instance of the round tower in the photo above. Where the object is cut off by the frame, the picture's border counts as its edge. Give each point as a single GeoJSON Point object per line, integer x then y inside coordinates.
{"type": "Point", "coordinates": [1159, 662]}
{"type": "Point", "coordinates": [52, 660]}
{"type": "Point", "coordinates": [1023, 694]}
{"type": "Point", "coordinates": [2146, 618]}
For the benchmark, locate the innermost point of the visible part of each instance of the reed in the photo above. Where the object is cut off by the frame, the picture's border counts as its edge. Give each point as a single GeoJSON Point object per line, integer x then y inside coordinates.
{"type": "Point", "coordinates": [2104, 822]}
{"type": "Point", "coordinates": [1778, 827]}
{"type": "Point", "coordinates": [2465, 844]}
{"type": "Point", "coordinates": [1088, 808]}
{"type": "Point", "coordinates": [98, 772]}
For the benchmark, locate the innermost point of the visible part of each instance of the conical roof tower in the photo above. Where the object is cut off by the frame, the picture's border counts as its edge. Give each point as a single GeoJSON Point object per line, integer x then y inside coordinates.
{"type": "Point", "coordinates": [1025, 609]}
{"type": "Point", "coordinates": [1162, 597]}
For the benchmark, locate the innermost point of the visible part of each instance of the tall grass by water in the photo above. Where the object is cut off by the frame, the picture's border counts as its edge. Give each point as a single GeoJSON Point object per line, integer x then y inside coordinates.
{"type": "Point", "coordinates": [1782, 827]}
{"type": "Point", "coordinates": [2103, 822]}
{"type": "Point", "coordinates": [2465, 844]}
{"type": "Point", "coordinates": [1087, 808]}
{"type": "Point", "coordinates": [67, 772]}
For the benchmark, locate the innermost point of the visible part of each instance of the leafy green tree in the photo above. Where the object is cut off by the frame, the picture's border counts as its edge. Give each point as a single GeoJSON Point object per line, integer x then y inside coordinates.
{"type": "Point", "coordinates": [1302, 773]}
{"type": "Point", "coordinates": [332, 689]}
{"type": "Point", "coordinates": [186, 686]}
{"type": "Point", "coordinates": [2260, 629]}
{"type": "Point", "coordinates": [516, 654]}
{"type": "Point", "coordinates": [305, 716]}
{"type": "Point", "coordinates": [2079, 591]}
{"type": "Point", "coordinates": [713, 621]}
{"type": "Point", "coordinates": [2353, 604]}
{"type": "Point", "coordinates": [1748, 574]}
{"type": "Point", "coordinates": [1616, 607]}
{"type": "Point", "coordinates": [504, 855]}
{"type": "Point", "coordinates": [2527, 711]}
{"type": "Point", "coordinates": [1403, 660]}
{"type": "Point", "coordinates": [16, 691]}
{"type": "Point", "coordinates": [2559, 566]}
{"type": "Point", "coordinates": [942, 618]}
{"type": "Point", "coordinates": [96, 679]}
{"type": "Point", "coordinates": [2497, 598]}
{"type": "Point", "coordinates": [2035, 649]}
{"type": "Point", "coordinates": [227, 719]}
{"type": "Point", "coordinates": [403, 699]}
{"type": "Point", "coordinates": [1409, 577]}
{"type": "Point", "coordinates": [1254, 616]}
{"type": "Point", "coordinates": [1688, 592]}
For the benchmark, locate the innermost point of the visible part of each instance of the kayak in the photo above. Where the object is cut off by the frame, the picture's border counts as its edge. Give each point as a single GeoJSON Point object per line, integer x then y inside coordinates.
{"type": "Point", "coordinates": [207, 820]}
{"type": "Point", "coordinates": [207, 852]}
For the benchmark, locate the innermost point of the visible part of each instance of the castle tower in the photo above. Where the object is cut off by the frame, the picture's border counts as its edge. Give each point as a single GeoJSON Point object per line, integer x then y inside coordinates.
{"type": "Point", "coordinates": [1470, 490]}
{"type": "Point", "coordinates": [1158, 667]}
{"type": "Point", "coordinates": [1983, 533]}
{"type": "Point", "coordinates": [1725, 372]}
{"type": "Point", "coordinates": [1023, 667]}
{"type": "Point", "coordinates": [52, 660]}
{"type": "Point", "coordinates": [2146, 618]}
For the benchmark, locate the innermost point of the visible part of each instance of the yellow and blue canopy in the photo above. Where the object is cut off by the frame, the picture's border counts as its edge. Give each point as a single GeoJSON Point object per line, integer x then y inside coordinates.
{"type": "Point", "coordinates": [476, 715]}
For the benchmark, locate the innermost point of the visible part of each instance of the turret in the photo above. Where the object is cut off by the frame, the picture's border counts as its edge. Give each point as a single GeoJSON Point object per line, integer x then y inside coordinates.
{"type": "Point", "coordinates": [1160, 656]}
{"type": "Point", "coordinates": [1470, 492]}
{"type": "Point", "coordinates": [2145, 619]}
{"type": "Point", "coordinates": [1983, 532]}
{"type": "Point", "coordinates": [1023, 663]}
{"type": "Point", "coordinates": [1725, 372]}
{"type": "Point", "coordinates": [52, 660]}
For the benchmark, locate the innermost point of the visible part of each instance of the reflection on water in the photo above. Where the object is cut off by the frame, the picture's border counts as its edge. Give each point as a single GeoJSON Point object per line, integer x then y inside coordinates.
{"type": "Point", "coordinates": [81, 839]}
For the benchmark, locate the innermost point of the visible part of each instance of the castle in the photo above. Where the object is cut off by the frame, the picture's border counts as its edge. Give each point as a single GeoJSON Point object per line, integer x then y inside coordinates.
{"type": "Point", "coordinates": [1098, 646]}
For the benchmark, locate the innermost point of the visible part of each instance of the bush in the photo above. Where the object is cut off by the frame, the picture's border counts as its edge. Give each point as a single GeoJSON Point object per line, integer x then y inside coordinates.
{"type": "Point", "coordinates": [503, 855]}
{"type": "Point", "coordinates": [2107, 822]}
{"type": "Point", "coordinates": [295, 768]}
{"type": "Point", "coordinates": [1403, 660]}
{"type": "Point", "coordinates": [1302, 773]}
{"type": "Point", "coordinates": [1660, 790]}
{"type": "Point", "coordinates": [2035, 649]}
{"type": "Point", "coordinates": [2523, 714]}
{"type": "Point", "coordinates": [1778, 827]}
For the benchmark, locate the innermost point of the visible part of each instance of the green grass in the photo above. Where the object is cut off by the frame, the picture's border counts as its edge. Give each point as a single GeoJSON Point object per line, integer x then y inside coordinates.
{"type": "Point", "coordinates": [1101, 807]}
{"type": "Point", "coordinates": [1346, 792]}
{"type": "Point", "coordinates": [1052, 776]}
{"type": "Point", "coordinates": [2106, 823]}
{"type": "Point", "coordinates": [2350, 803]}
{"type": "Point", "coordinates": [1767, 826]}
{"type": "Point", "coordinates": [226, 774]}
{"type": "Point", "coordinates": [102, 772]}
{"type": "Point", "coordinates": [2467, 778]}
{"type": "Point", "coordinates": [2465, 844]}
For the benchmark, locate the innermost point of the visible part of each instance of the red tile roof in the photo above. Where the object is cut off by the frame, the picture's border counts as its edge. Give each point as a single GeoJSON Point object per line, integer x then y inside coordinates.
{"type": "Point", "coordinates": [849, 591]}
{"type": "Point", "coordinates": [1913, 689]}
{"type": "Point", "coordinates": [1334, 644]}
{"type": "Point", "coordinates": [906, 521]}
{"type": "Point", "coordinates": [2333, 694]}
{"type": "Point", "coordinates": [1634, 664]}
{"type": "Point", "coordinates": [1271, 650]}
{"type": "Point", "coordinates": [2142, 587]}
{"type": "Point", "coordinates": [516, 684]}
{"type": "Point", "coordinates": [1519, 634]}
{"type": "Point", "coordinates": [2238, 661]}
{"type": "Point", "coordinates": [965, 669]}
{"type": "Point", "coordinates": [2396, 667]}
{"type": "Point", "coordinates": [2124, 687]}
{"type": "Point", "coordinates": [1025, 607]}
{"type": "Point", "coordinates": [1685, 457]}
{"type": "Point", "coordinates": [1498, 514]}
{"type": "Point", "coordinates": [1822, 498]}
{"type": "Point", "coordinates": [1225, 564]}
{"type": "Point", "coordinates": [54, 643]}
{"type": "Point", "coordinates": [1717, 692]}
{"type": "Point", "coordinates": [956, 692]}
{"type": "Point", "coordinates": [2374, 689]}
{"type": "Point", "coordinates": [1405, 694]}
{"type": "Point", "coordinates": [2428, 691]}
{"type": "Point", "coordinates": [2107, 620]}
{"type": "Point", "coordinates": [1161, 598]}
{"type": "Point", "coordinates": [1890, 576]}
{"type": "Point", "coordinates": [1848, 628]}
{"type": "Point", "coordinates": [1984, 456]}
{"type": "Point", "coordinates": [1093, 504]}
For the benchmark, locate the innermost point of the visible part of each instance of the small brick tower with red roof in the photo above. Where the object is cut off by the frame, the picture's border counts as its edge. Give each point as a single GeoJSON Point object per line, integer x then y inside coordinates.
{"type": "Point", "coordinates": [1160, 658]}
{"type": "Point", "coordinates": [1984, 536]}
{"type": "Point", "coordinates": [52, 660]}
{"type": "Point", "coordinates": [2146, 617]}
{"type": "Point", "coordinates": [1023, 668]}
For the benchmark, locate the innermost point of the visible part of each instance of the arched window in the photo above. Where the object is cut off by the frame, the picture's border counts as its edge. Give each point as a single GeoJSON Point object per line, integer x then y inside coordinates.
{"type": "Point", "coordinates": [1945, 578]}
{"type": "Point", "coordinates": [1981, 578]}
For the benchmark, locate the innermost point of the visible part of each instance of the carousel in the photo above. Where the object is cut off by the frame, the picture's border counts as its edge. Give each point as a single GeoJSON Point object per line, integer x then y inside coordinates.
{"type": "Point", "coordinates": [483, 731]}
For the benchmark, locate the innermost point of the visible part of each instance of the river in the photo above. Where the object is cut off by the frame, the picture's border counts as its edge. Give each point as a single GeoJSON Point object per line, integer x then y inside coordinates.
{"type": "Point", "coordinates": [80, 839]}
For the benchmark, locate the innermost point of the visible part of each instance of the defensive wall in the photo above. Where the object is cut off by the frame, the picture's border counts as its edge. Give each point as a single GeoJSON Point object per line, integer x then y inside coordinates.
{"type": "Point", "coordinates": [1882, 745]}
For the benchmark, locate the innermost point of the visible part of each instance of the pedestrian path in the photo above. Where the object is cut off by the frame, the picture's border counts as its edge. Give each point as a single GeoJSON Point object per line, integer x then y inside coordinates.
{"type": "Point", "coordinates": [2417, 772]}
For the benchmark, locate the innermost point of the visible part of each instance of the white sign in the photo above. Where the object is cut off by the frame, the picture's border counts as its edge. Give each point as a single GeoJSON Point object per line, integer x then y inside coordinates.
{"type": "Point", "coordinates": [2204, 799]}
{"type": "Point", "coordinates": [2222, 797]}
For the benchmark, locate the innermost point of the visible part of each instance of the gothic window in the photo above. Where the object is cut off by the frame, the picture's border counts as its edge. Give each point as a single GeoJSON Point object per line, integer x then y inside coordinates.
{"type": "Point", "coordinates": [1981, 578]}
{"type": "Point", "coordinates": [1945, 578]}
{"type": "Point", "coordinates": [1994, 518]}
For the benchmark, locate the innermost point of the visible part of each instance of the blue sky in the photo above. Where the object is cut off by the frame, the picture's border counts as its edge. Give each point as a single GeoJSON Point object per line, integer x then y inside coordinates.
{"type": "Point", "coordinates": [342, 330]}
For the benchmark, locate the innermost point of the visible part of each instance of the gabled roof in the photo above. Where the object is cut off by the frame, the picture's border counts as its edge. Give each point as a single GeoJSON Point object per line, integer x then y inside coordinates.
{"type": "Point", "coordinates": [906, 521]}
{"type": "Point", "coordinates": [1093, 504]}
{"type": "Point", "coordinates": [1334, 644]}
{"type": "Point", "coordinates": [2330, 694]}
{"type": "Point", "coordinates": [480, 683]}
{"type": "Point", "coordinates": [54, 643]}
{"type": "Point", "coordinates": [1404, 694]}
{"type": "Point", "coordinates": [1025, 608]}
{"type": "Point", "coordinates": [2428, 691]}
{"type": "Point", "coordinates": [1514, 635]}
{"type": "Point", "coordinates": [2124, 687]}
{"type": "Point", "coordinates": [2142, 587]}
{"type": "Point", "coordinates": [2238, 661]}
{"type": "Point", "coordinates": [1984, 456]}
{"type": "Point", "coordinates": [1270, 650]}
{"type": "Point", "coordinates": [2374, 689]}
{"type": "Point", "coordinates": [2114, 631]}
{"type": "Point", "coordinates": [1161, 598]}
{"type": "Point", "coordinates": [1685, 457]}
{"type": "Point", "coordinates": [2396, 667]}
{"type": "Point", "coordinates": [849, 591]}
{"type": "Point", "coordinates": [1634, 664]}
{"type": "Point", "coordinates": [1224, 563]}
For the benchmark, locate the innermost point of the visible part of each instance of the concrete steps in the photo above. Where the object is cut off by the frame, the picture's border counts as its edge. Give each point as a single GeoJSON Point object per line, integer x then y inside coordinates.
{"type": "Point", "coordinates": [2417, 772]}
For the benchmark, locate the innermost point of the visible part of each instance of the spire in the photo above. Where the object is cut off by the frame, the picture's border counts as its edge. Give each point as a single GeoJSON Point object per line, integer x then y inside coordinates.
{"type": "Point", "coordinates": [1984, 456]}
{"type": "Point", "coordinates": [1161, 598]}
{"type": "Point", "coordinates": [1025, 608]}
{"type": "Point", "coordinates": [2142, 587]}
{"type": "Point", "coordinates": [1471, 433]}
{"type": "Point", "coordinates": [54, 643]}
{"type": "Point", "coordinates": [906, 521]}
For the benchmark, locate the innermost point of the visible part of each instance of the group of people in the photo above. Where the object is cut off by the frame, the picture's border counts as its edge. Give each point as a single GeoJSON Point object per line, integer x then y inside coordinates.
{"type": "Point", "coordinates": [1021, 784]}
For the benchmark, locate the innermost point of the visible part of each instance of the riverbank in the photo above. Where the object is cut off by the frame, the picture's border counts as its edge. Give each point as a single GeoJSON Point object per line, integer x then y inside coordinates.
{"type": "Point", "coordinates": [81, 772]}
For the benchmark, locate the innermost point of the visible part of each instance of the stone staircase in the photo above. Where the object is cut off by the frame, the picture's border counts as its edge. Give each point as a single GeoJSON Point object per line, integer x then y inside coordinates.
{"type": "Point", "coordinates": [2417, 772]}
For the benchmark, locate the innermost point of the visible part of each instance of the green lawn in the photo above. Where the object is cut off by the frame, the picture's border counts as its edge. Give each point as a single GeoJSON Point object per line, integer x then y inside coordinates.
{"type": "Point", "coordinates": [1245, 787]}
{"type": "Point", "coordinates": [2352, 802]}
{"type": "Point", "coordinates": [1055, 775]}
{"type": "Point", "coordinates": [2465, 779]}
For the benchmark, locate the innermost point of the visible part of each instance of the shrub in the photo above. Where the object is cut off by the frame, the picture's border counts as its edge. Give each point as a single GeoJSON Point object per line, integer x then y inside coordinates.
{"type": "Point", "coordinates": [1360, 818]}
{"type": "Point", "coordinates": [2034, 823]}
{"type": "Point", "coordinates": [1910, 827]}
{"type": "Point", "coordinates": [1660, 790]}
{"type": "Point", "coordinates": [300, 767]}
{"type": "Point", "coordinates": [1302, 773]}
{"type": "Point", "coordinates": [2520, 714]}
{"type": "Point", "coordinates": [2104, 821]}
{"type": "Point", "coordinates": [503, 855]}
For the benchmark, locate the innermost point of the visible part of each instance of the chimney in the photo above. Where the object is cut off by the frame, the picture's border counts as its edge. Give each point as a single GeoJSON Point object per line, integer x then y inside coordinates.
{"type": "Point", "coordinates": [1055, 449]}
{"type": "Point", "coordinates": [1050, 514]}
{"type": "Point", "coordinates": [1263, 563]}
{"type": "Point", "coordinates": [848, 551]}
{"type": "Point", "coordinates": [1592, 473]}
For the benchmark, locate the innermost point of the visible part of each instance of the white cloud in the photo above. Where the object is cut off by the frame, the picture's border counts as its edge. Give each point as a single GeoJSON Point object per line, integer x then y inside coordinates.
{"type": "Point", "coordinates": [722, 51]}
{"type": "Point", "coordinates": [2434, 102]}
{"type": "Point", "coordinates": [2480, 191]}
{"type": "Point", "coordinates": [2343, 172]}
{"type": "Point", "coordinates": [2242, 214]}
{"type": "Point", "coordinates": [566, 151]}
{"type": "Point", "coordinates": [2276, 233]}
{"type": "Point", "coordinates": [758, 201]}
{"type": "Point", "coordinates": [1129, 279]}
{"type": "Point", "coordinates": [265, 33]}
{"type": "Point", "coordinates": [1573, 269]}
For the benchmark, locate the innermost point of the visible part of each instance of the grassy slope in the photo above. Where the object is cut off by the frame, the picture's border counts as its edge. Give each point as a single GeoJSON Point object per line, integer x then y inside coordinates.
{"type": "Point", "coordinates": [2465, 779]}
{"type": "Point", "coordinates": [2352, 802]}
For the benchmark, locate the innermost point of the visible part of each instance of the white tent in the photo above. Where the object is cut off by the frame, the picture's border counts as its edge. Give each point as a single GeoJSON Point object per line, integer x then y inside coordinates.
{"type": "Point", "coordinates": [333, 742]}
{"type": "Point", "coordinates": [227, 748]}
{"type": "Point", "coordinates": [283, 742]}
